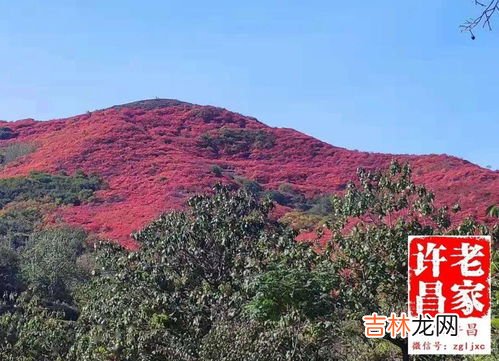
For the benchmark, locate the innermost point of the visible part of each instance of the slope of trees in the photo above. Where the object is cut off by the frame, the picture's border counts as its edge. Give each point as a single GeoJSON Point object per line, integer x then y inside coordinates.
{"type": "Point", "coordinates": [222, 280]}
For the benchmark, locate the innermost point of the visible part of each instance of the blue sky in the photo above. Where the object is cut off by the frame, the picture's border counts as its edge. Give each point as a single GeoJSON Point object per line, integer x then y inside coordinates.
{"type": "Point", "coordinates": [384, 76]}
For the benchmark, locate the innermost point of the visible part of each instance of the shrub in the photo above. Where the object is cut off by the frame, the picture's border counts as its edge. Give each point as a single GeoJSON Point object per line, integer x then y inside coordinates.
{"type": "Point", "coordinates": [369, 226]}
{"type": "Point", "coordinates": [16, 225]}
{"type": "Point", "coordinates": [7, 133]}
{"type": "Point", "coordinates": [217, 170]}
{"type": "Point", "coordinates": [191, 276]}
{"type": "Point", "coordinates": [207, 114]}
{"type": "Point", "coordinates": [32, 332]}
{"type": "Point", "coordinates": [49, 262]}
{"type": "Point", "coordinates": [283, 290]}
{"type": "Point", "coordinates": [289, 197]}
{"type": "Point", "coordinates": [235, 141]}
{"type": "Point", "coordinates": [249, 185]}
{"type": "Point", "coordinates": [56, 188]}
{"type": "Point", "coordinates": [302, 221]}
{"type": "Point", "coordinates": [9, 270]}
{"type": "Point", "coordinates": [291, 340]}
{"type": "Point", "coordinates": [16, 150]}
{"type": "Point", "coordinates": [321, 205]}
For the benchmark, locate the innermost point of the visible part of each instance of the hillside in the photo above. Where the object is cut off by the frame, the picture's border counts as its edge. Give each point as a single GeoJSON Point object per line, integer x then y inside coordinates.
{"type": "Point", "coordinates": [153, 154]}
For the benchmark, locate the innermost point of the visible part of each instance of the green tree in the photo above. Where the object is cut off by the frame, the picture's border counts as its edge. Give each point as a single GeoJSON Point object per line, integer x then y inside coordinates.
{"type": "Point", "coordinates": [198, 275]}
{"type": "Point", "coordinates": [9, 270]}
{"type": "Point", "coordinates": [370, 225]}
{"type": "Point", "coordinates": [49, 262]}
{"type": "Point", "coordinates": [30, 331]}
{"type": "Point", "coordinates": [38, 314]}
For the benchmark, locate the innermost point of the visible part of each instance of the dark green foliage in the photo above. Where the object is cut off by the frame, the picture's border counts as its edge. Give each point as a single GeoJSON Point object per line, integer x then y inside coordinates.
{"type": "Point", "coordinates": [7, 133]}
{"type": "Point", "coordinates": [61, 189]}
{"type": "Point", "coordinates": [196, 270]}
{"type": "Point", "coordinates": [278, 197]}
{"type": "Point", "coordinates": [49, 262]}
{"type": "Point", "coordinates": [16, 226]}
{"type": "Point", "coordinates": [31, 331]}
{"type": "Point", "coordinates": [287, 196]}
{"type": "Point", "coordinates": [321, 205]}
{"type": "Point", "coordinates": [126, 314]}
{"type": "Point", "coordinates": [493, 211]}
{"type": "Point", "coordinates": [216, 170]}
{"type": "Point", "coordinates": [207, 114]}
{"type": "Point", "coordinates": [249, 185]}
{"type": "Point", "coordinates": [9, 270]}
{"type": "Point", "coordinates": [37, 311]}
{"type": "Point", "coordinates": [290, 340]}
{"type": "Point", "coordinates": [232, 141]}
{"type": "Point", "coordinates": [280, 292]}
{"type": "Point", "coordinates": [293, 199]}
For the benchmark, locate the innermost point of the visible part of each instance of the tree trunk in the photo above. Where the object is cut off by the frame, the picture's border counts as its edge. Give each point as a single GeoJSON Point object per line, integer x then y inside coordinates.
{"type": "Point", "coordinates": [402, 344]}
{"type": "Point", "coordinates": [405, 352]}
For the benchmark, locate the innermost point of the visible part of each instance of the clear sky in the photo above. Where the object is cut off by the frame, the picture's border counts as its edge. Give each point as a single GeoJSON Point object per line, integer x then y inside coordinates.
{"type": "Point", "coordinates": [385, 76]}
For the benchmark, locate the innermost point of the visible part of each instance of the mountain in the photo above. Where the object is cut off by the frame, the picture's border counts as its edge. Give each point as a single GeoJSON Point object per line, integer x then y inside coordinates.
{"type": "Point", "coordinates": [153, 154]}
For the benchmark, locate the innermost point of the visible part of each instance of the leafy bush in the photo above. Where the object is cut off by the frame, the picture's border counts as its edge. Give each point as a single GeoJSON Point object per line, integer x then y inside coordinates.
{"type": "Point", "coordinates": [292, 339]}
{"type": "Point", "coordinates": [32, 332]}
{"type": "Point", "coordinates": [38, 284]}
{"type": "Point", "coordinates": [287, 196]}
{"type": "Point", "coordinates": [49, 262]}
{"type": "Point", "coordinates": [7, 133]}
{"type": "Point", "coordinates": [217, 170]}
{"type": "Point", "coordinates": [279, 292]}
{"type": "Point", "coordinates": [9, 270]}
{"type": "Point", "coordinates": [191, 274]}
{"type": "Point", "coordinates": [321, 205]}
{"type": "Point", "coordinates": [61, 189]}
{"type": "Point", "coordinates": [15, 151]}
{"type": "Point", "coordinates": [232, 141]}
{"type": "Point", "coordinates": [16, 226]}
{"type": "Point", "coordinates": [249, 185]}
{"type": "Point", "coordinates": [302, 220]}
{"type": "Point", "coordinates": [207, 114]}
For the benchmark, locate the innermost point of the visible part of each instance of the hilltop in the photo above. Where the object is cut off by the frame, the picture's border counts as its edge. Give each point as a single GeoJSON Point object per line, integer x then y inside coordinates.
{"type": "Point", "coordinates": [153, 154]}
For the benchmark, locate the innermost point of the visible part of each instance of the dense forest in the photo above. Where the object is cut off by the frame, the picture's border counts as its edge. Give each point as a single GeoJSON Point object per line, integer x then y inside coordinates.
{"type": "Point", "coordinates": [220, 280]}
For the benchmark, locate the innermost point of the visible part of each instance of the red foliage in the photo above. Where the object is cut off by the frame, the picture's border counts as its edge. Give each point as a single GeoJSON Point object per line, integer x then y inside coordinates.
{"type": "Point", "coordinates": [149, 155]}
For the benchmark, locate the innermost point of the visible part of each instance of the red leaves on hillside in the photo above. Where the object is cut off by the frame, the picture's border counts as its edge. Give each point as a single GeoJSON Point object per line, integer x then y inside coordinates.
{"type": "Point", "coordinates": [151, 159]}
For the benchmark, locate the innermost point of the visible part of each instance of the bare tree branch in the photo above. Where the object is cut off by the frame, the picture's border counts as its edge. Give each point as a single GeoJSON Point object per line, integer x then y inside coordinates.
{"type": "Point", "coordinates": [488, 10]}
